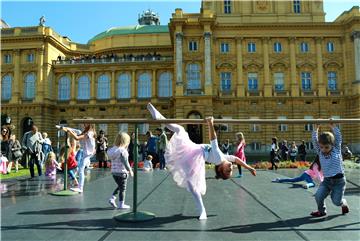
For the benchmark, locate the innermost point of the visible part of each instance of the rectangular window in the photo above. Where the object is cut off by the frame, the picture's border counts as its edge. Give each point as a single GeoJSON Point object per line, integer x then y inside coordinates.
{"type": "Point", "coordinates": [330, 47]}
{"type": "Point", "coordinates": [124, 127]}
{"type": "Point", "coordinates": [104, 127]}
{"type": "Point", "coordinates": [309, 145]}
{"type": "Point", "coordinates": [227, 6]}
{"type": "Point", "coordinates": [224, 48]}
{"type": "Point", "coordinates": [277, 47]}
{"type": "Point", "coordinates": [254, 127]}
{"type": "Point", "coordinates": [332, 85]}
{"type": "Point", "coordinates": [251, 47]}
{"type": "Point", "coordinates": [279, 81]}
{"type": "Point", "coordinates": [7, 58]}
{"type": "Point", "coordinates": [225, 81]}
{"type": "Point", "coordinates": [256, 146]}
{"type": "Point", "coordinates": [252, 82]}
{"type": "Point", "coordinates": [226, 127]}
{"type": "Point", "coordinates": [304, 47]}
{"type": "Point", "coordinates": [143, 128]}
{"type": "Point", "coordinates": [309, 127]}
{"type": "Point", "coordinates": [297, 6]}
{"type": "Point", "coordinates": [192, 46]}
{"type": "Point", "coordinates": [30, 58]}
{"type": "Point", "coordinates": [282, 127]}
{"type": "Point", "coordinates": [306, 81]}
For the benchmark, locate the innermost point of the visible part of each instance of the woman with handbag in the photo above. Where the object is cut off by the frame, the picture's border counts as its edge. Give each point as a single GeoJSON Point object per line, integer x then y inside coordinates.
{"type": "Point", "coordinates": [15, 153]}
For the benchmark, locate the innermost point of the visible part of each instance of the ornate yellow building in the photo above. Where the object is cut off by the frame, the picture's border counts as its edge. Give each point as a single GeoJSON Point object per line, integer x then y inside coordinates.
{"type": "Point", "coordinates": [234, 59]}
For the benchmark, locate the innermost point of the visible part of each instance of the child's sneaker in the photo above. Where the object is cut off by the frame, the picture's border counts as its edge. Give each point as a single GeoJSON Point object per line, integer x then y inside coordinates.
{"type": "Point", "coordinates": [122, 205]}
{"type": "Point", "coordinates": [76, 189]}
{"type": "Point", "coordinates": [345, 209]}
{"type": "Point", "coordinates": [318, 214]}
{"type": "Point", "coordinates": [113, 202]}
{"type": "Point", "coordinates": [305, 186]}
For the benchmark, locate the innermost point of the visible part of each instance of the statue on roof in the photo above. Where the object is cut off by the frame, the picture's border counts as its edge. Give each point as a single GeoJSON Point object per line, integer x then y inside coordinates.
{"type": "Point", "coordinates": [42, 21]}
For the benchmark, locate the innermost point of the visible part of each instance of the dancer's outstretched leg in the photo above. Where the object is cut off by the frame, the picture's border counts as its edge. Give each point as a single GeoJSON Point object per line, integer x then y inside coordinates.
{"type": "Point", "coordinates": [199, 203]}
{"type": "Point", "coordinates": [158, 116]}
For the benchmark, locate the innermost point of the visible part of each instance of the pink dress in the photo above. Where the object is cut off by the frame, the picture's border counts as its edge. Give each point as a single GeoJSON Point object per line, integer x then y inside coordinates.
{"type": "Point", "coordinates": [51, 170]}
{"type": "Point", "coordinates": [186, 160]}
{"type": "Point", "coordinates": [314, 173]}
{"type": "Point", "coordinates": [3, 164]}
{"type": "Point", "coordinates": [240, 151]}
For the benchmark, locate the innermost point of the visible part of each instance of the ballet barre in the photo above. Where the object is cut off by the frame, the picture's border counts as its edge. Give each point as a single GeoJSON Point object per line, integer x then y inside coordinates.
{"type": "Point", "coordinates": [223, 121]}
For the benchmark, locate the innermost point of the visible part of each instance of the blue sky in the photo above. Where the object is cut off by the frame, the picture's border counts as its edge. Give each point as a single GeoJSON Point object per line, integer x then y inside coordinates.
{"type": "Point", "coordinates": [82, 20]}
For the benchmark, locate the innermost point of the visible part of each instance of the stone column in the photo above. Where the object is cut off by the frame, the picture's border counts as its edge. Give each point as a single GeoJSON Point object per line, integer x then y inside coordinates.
{"type": "Point", "coordinates": [240, 88]}
{"type": "Point", "coordinates": [207, 60]}
{"type": "Point", "coordinates": [294, 84]}
{"type": "Point", "coordinates": [73, 89]}
{"type": "Point", "coordinates": [267, 84]}
{"type": "Point", "coordinates": [356, 36]}
{"type": "Point", "coordinates": [320, 72]}
{"type": "Point", "coordinates": [39, 88]}
{"type": "Point", "coordinates": [113, 88]}
{"type": "Point", "coordinates": [17, 85]}
{"type": "Point", "coordinates": [92, 88]}
{"type": "Point", "coordinates": [133, 86]}
{"type": "Point", "coordinates": [179, 67]}
{"type": "Point", "coordinates": [153, 84]}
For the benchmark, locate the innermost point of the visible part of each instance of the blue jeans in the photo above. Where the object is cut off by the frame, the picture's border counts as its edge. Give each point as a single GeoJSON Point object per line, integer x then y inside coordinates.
{"type": "Point", "coordinates": [304, 177]}
{"type": "Point", "coordinates": [81, 168]}
{"type": "Point", "coordinates": [334, 186]}
{"type": "Point", "coordinates": [162, 159]}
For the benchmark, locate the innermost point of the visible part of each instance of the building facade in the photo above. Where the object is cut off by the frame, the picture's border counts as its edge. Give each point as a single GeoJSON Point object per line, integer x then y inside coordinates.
{"type": "Point", "coordinates": [233, 59]}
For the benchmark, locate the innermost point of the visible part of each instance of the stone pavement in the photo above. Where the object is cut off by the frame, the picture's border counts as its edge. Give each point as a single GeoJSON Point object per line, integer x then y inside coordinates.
{"type": "Point", "coordinates": [247, 208]}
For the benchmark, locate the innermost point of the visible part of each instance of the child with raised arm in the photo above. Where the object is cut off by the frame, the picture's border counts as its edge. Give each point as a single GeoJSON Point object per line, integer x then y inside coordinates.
{"type": "Point", "coordinates": [314, 172]}
{"type": "Point", "coordinates": [186, 160]}
{"type": "Point", "coordinates": [120, 168]}
{"type": "Point", "coordinates": [328, 147]}
{"type": "Point", "coordinates": [87, 143]}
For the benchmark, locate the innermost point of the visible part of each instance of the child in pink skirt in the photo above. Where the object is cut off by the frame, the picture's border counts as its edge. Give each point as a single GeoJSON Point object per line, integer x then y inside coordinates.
{"type": "Point", "coordinates": [51, 165]}
{"type": "Point", "coordinates": [186, 160]}
{"type": "Point", "coordinates": [314, 172]}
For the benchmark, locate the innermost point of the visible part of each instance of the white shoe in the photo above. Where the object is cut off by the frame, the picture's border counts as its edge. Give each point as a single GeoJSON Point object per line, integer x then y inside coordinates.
{"type": "Point", "coordinates": [112, 202]}
{"type": "Point", "coordinates": [276, 180]}
{"type": "Point", "coordinates": [76, 189]}
{"type": "Point", "coordinates": [122, 205]}
{"type": "Point", "coordinates": [203, 215]}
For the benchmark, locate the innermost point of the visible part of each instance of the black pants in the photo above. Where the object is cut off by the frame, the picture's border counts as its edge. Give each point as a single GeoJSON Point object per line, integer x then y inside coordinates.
{"type": "Point", "coordinates": [34, 160]}
{"type": "Point", "coordinates": [121, 181]}
{"type": "Point", "coordinates": [273, 159]}
{"type": "Point", "coordinates": [240, 171]}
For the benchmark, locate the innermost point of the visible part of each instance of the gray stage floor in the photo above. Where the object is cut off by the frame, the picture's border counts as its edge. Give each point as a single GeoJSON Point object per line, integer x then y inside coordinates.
{"type": "Point", "coordinates": [247, 208]}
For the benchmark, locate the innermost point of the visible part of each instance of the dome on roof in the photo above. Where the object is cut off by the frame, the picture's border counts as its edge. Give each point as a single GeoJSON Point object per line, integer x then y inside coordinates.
{"type": "Point", "coordinates": [133, 29]}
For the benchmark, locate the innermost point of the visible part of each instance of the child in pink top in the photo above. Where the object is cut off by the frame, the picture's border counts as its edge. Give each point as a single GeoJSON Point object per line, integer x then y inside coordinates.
{"type": "Point", "coordinates": [51, 165]}
{"type": "Point", "coordinates": [314, 172]}
{"type": "Point", "coordinates": [240, 150]}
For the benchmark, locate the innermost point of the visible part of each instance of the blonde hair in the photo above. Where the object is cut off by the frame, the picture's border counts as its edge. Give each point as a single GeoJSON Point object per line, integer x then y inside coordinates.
{"type": "Point", "coordinates": [240, 136]}
{"type": "Point", "coordinates": [51, 156]}
{"type": "Point", "coordinates": [122, 139]}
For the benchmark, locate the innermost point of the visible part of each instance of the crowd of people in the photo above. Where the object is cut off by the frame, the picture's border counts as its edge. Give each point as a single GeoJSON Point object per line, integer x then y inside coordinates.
{"type": "Point", "coordinates": [184, 159]}
{"type": "Point", "coordinates": [111, 57]}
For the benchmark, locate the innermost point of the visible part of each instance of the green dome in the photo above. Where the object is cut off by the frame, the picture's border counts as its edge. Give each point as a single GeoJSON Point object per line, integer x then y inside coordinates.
{"type": "Point", "coordinates": [135, 29]}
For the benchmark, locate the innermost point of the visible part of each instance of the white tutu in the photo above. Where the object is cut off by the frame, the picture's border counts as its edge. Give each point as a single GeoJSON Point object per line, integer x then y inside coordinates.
{"type": "Point", "coordinates": [185, 160]}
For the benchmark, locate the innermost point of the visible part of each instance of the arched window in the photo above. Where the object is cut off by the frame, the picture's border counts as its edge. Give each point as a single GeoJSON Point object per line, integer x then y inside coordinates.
{"type": "Point", "coordinates": [6, 87]}
{"type": "Point", "coordinates": [123, 86]}
{"type": "Point", "coordinates": [144, 86]}
{"type": "Point", "coordinates": [29, 86]}
{"type": "Point", "coordinates": [84, 88]}
{"type": "Point", "coordinates": [193, 76]}
{"type": "Point", "coordinates": [165, 85]}
{"type": "Point", "coordinates": [103, 88]}
{"type": "Point", "coordinates": [64, 88]}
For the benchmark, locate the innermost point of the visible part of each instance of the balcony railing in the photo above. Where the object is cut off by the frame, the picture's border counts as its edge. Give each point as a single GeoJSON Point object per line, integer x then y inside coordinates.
{"type": "Point", "coordinates": [111, 60]}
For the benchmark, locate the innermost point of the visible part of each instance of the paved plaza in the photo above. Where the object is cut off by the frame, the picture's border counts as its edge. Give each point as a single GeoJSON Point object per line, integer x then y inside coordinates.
{"type": "Point", "coordinates": [247, 208]}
